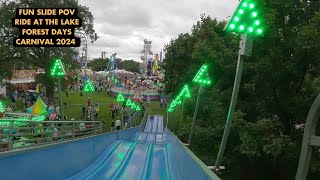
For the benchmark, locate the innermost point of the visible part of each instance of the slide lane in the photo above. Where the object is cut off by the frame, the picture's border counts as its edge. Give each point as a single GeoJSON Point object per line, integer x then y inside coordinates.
{"type": "Point", "coordinates": [142, 137]}
{"type": "Point", "coordinates": [155, 124]}
{"type": "Point", "coordinates": [160, 168]}
{"type": "Point", "coordinates": [138, 165]}
{"type": "Point", "coordinates": [104, 168]}
{"type": "Point", "coordinates": [147, 125]}
{"type": "Point", "coordinates": [151, 138]}
{"type": "Point", "coordinates": [160, 124]}
{"type": "Point", "coordinates": [99, 162]}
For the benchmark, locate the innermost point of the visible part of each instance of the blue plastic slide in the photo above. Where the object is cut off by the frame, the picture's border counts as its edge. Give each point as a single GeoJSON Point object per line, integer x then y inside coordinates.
{"type": "Point", "coordinates": [129, 154]}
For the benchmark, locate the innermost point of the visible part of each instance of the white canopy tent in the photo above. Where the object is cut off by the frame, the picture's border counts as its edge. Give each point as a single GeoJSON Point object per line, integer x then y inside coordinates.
{"type": "Point", "coordinates": [21, 81]}
{"type": "Point", "coordinates": [116, 71]}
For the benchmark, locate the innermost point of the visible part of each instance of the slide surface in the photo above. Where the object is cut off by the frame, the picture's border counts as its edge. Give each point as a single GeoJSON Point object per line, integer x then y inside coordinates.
{"type": "Point", "coordinates": [154, 154]}
{"type": "Point", "coordinates": [144, 158]}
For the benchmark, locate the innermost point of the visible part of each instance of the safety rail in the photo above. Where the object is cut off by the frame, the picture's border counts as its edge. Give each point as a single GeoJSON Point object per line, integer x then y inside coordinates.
{"type": "Point", "coordinates": [132, 122]}
{"type": "Point", "coordinates": [16, 134]}
{"type": "Point", "coordinates": [143, 121]}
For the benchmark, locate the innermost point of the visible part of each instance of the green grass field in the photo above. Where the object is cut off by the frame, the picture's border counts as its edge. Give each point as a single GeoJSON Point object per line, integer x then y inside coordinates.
{"type": "Point", "coordinates": [75, 101]}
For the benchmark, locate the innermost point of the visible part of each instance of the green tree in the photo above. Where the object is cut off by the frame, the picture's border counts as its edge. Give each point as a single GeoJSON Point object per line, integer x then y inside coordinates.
{"type": "Point", "coordinates": [40, 57]}
{"type": "Point", "coordinates": [130, 65]}
{"type": "Point", "coordinates": [279, 83]}
{"type": "Point", "coordinates": [98, 64]}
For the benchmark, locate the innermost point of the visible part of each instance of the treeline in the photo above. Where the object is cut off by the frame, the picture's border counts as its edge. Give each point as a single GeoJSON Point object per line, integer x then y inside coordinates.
{"type": "Point", "coordinates": [102, 64]}
{"type": "Point", "coordinates": [279, 83]}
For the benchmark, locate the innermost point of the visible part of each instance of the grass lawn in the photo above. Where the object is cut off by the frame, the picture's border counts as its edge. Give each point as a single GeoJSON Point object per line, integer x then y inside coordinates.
{"type": "Point", "coordinates": [75, 101]}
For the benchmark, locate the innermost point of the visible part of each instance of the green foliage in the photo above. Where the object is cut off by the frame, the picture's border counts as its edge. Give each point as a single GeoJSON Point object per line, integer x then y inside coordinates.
{"type": "Point", "coordinates": [130, 65]}
{"type": "Point", "coordinates": [39, 57]}
{"type": "Point", "coordinates": [102, 64]}
{"type": "Point", "coordinates": [279, 83]}
{"type": "Point", "coordinates": [98, 64]}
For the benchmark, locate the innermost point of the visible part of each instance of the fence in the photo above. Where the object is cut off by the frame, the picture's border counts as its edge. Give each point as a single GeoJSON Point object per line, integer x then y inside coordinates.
{"type": "Point", "coordinates": [143, 122]}
{"type": "Point", "coordinates": [15, 134]}
{"type": "Point", "coordinates": [133, 120]}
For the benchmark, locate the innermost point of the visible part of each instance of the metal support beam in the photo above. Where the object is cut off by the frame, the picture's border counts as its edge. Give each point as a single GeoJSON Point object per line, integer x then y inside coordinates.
{"type": "Point", "coordinates": [245, 50]}
{"type": "Point", "coordinates": [195, 114]}
{"type": "Point", "coordinates": [309, 140]}
{"type": "Point", "coordinates": [60, 99]}
{"type": "Point", "coordinates": [181, 118]}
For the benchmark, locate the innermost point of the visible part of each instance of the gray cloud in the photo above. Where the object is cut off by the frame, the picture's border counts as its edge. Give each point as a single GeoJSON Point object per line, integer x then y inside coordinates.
{"type": "Point", "coordinates": [124, 24]}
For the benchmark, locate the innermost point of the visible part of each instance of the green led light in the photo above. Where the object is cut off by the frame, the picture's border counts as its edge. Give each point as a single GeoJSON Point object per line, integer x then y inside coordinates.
{"type": "Point", "coordinates": [57, 69]}
{"type": "Point", "coordinates": [138, 108]}
{"type": "Point", "coordinates": [247, 15]}
{"type": "Point", "coordinates": [120, 98]}
{"type": "Point", "coordinates": [133, 105]}
{"type": "Point", "coordinates": [129, 102]}
{"type": "Point", "coordinates": [202, 75]}
{"type": "Point", "coordinates": [88, 87]}
{"type": "Point", "coordinates": [254, 14]}
{"type": "Point", "coordinates": [259, 31]}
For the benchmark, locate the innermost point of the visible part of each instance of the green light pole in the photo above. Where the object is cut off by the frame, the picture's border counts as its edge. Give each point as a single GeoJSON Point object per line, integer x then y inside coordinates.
{"type": "Point", "coordinates": [58, 71]}
{"type": "Point", "coordinates": [167, 117]}
{"type": "Point", "coordinates": [170, 110]}
{"type": "Point", "coordinates": [185, 92]}
{"type": "Point", "coordinates": [202, 78]}
{"type": "Point", "coordinates": [88, 87]}
{"type": "Point", "coordinates": [245, 21]}
{"type": "Point", "coordinates": [120, 98]}
{"type": "Point", "coordinates": [182, 109]}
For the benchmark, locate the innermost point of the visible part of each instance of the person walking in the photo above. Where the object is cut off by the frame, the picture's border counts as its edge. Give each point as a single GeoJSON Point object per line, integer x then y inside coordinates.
{"type": "Point", "coordinates": [118, 124]}
{"type": "Point", "coordinates": [112, 125]}
{"type": "Point", "coordinates": [83, 111]}
{"type": "Point", "coordinates": [117, 108]}
{"type": "Point", "coordinates": [64, 101]}
{"type": "Point", "coordinates": [161, 103]}
{"type": "Point", "coordinates": [111, 108]}
{"type": "Point", "coordinates": [89, 102]}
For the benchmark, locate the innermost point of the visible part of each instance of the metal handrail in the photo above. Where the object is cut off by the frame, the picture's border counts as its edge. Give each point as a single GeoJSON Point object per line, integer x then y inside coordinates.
{"type": "Point", "coordinates": [133, 120]}
{"type": "Point", "coordinates": [48, 131]}
{"type": "Point", "coordinates": [143, 122]}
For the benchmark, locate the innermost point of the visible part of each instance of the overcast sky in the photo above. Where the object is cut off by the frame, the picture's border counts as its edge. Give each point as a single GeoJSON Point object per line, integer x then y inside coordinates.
{"type": "Point", "coordinates": [122, 25]}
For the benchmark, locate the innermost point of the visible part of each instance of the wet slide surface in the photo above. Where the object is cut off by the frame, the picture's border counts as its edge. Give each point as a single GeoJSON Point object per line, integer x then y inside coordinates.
{"type": "Point", "coordinates": [147, 156]}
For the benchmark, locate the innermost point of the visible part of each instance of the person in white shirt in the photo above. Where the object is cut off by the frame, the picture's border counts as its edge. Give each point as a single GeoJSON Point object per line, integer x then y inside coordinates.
{"type": "Point", "coordinates": [118, 124]}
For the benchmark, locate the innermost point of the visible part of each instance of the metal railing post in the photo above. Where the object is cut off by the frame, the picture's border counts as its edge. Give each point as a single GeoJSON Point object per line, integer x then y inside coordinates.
{"type": "Point", "coordinates": [10, 143]}
{"type": "Point", "coordinates": [101, 127]}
